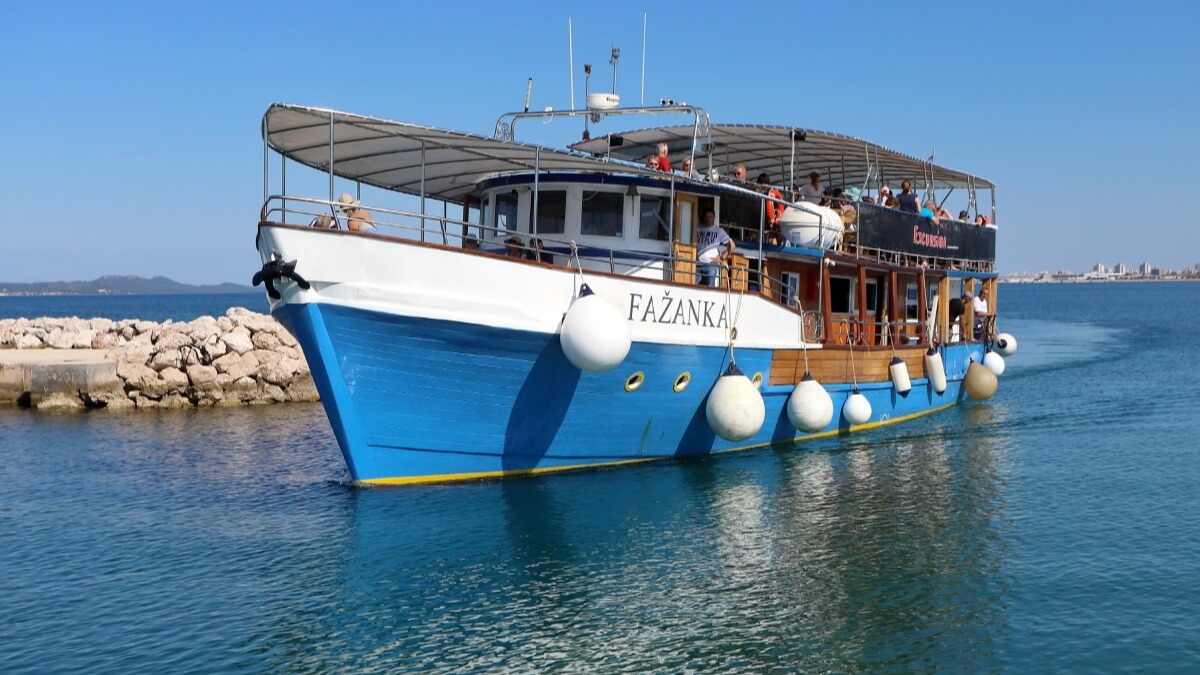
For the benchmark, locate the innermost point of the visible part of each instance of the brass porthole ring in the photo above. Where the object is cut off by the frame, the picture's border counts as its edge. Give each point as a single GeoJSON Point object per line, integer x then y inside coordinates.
{"type": "Point", "coordinates": [681, 382]}
{"type": "Point", "coordinates": [635, 381]}
{"type": "Point", "coordinates": [757, 379]}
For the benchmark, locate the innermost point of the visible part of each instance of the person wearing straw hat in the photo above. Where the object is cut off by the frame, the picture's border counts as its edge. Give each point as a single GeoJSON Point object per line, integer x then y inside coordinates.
{"type": "Point", "coordinates": [357, 218]}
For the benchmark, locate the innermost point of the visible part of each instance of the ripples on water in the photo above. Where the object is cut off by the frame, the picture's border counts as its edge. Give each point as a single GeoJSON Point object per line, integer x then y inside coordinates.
{"type": "Point", "coordinates": [1052, 529]}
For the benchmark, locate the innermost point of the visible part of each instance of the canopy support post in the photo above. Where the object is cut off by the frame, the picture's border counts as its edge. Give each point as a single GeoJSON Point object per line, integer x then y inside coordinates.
{"type": "Point", "coordinates": [331, 157]}
{"type": "Point", "coordinates": [537, 170]}
{"type": "Point", "coordinates": [422, 190]}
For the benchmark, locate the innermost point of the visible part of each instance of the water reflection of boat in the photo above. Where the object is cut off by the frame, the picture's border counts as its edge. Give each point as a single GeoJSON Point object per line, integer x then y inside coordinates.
{"type": "Point", "coordinates": [837, 559]}
{"type": "Point", "coordinates": [457, 347]}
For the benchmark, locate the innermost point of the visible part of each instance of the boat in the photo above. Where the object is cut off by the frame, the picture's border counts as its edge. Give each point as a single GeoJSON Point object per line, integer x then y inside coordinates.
{"type": "Point", "coordinates": [463, 338]}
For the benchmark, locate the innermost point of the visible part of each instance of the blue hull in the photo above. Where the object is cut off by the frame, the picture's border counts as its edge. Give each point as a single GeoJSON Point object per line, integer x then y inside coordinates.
{"type": "Point", "coordinates": [417, 400]}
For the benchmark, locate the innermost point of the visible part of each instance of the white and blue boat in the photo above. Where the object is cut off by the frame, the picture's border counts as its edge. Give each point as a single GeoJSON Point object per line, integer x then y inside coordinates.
{"type": "Point", "coordinates": [446, 347]}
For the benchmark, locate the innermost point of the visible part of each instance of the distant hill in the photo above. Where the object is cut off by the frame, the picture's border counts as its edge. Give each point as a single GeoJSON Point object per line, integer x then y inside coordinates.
{"type": "Point", "coordinates": [117, 285]}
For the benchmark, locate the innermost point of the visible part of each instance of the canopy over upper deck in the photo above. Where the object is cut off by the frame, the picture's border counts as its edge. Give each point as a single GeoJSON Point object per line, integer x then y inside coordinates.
{"type": "Point", "coordinates": [841, 159]}
{"type": "Point", "coordinates": [411, 158]}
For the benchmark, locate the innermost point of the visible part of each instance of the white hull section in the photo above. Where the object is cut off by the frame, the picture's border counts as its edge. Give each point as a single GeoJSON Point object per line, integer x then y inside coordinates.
{"type": "Point", "coordinates": [406, 278]}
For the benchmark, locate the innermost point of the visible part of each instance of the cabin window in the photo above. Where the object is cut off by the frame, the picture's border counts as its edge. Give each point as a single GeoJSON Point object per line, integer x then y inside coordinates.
{"type": "Point", "coordinates": [841, 295]}
{"type": "Point", "coordinates": [872, 295]}
{"type": "Point", "coordinates": [910, 302]}
{"type": "Point", "coordinates": [790, 288]}
{"type": "Point", "coordinates": [603, 214]}
{"type": "Point", "coordinates": [552, 211]}
{"type": "Point", "coordinates": [506, 213]}
{"type": "Point", "coordinates": [655, 218]}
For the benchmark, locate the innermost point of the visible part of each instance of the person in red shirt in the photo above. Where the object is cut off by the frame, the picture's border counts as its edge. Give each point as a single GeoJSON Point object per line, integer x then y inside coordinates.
{"type": "Point", "coordinates": [664, 162]}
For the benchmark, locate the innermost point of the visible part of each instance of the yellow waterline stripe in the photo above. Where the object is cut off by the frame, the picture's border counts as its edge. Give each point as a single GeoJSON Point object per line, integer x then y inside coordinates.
{"type": "Point", "coordinates": [484, 475]}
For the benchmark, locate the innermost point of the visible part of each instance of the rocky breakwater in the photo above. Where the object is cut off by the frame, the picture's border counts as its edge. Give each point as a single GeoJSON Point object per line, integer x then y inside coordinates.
{"type": "Point", "coordinates": [242, 358]}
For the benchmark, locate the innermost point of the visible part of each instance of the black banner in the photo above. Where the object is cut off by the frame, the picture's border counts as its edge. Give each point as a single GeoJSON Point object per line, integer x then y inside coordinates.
{"type": "Point", "coordinates": [892, 230]}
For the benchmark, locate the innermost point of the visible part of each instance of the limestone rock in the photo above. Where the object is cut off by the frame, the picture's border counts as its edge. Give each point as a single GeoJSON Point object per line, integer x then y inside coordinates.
{"type": "Point", "coordinates": [174, 401]}
{"type": "Point", "coordinates": [101, 325]}
{"type": "Point", "coordinates": [238, 340]}
{"type": "Point", "coordinates": [105, 341]}
{"type": "Point", "coordinates": [266, 341]}
{"type": "Point", "coordinates": [83, 339]}
{"type": "Point", "coordinates": [60, 338]}
{"type": "Point", "coordinates": [303, 389]}
{"type": "Point", "coordinates": [176, 380]}
{"type": "Point", "coordinates": [169, 338]}
{"type": "Point", "coordinates": [201, 375]}
{"type": "Point", "coordinates": [29, 342]}
{"type": "Point", "coordinates": [170, 358]}
{"type": "Point", "coordinates": [227, 361]}
{"type": "Point", "coordinates": [136, 375]}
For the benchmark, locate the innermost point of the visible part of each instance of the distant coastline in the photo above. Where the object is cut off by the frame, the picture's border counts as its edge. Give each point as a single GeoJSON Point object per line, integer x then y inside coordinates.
{"type": "Point", "coordinates": [117, 285]}
{"type": "Point", "coordinates": [1089, 279]}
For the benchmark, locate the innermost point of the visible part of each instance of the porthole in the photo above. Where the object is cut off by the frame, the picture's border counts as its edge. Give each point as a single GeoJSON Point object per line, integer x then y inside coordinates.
{"type": "Point", "coordinates": [681, 382]}
{"type": "Point", "coordinates": [635, 380]}
{"type": "Point", "coordinates": [757, 379]}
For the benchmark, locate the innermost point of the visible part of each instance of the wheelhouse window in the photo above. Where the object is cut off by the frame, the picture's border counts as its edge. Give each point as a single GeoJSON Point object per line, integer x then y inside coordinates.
{"type": "Point", "coordinates": [506, 213]}
{"type": "Point", "coordinates": [603, 214]}
{"type": "Point", "coordinates": [552, 211]}
{"type": "Point", "coordinates": [654, 217]}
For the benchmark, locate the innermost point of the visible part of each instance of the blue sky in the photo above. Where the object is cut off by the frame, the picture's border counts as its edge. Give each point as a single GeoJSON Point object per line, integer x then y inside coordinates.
{"type": "Point", "coordinates": [133, 129]}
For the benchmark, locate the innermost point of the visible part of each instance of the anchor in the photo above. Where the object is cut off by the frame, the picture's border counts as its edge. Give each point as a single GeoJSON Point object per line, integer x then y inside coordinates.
{"type": "Point", "coordinates": [278, 269]}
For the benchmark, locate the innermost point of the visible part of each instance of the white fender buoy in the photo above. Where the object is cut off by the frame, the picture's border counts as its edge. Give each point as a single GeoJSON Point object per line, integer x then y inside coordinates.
{"type": "Point", "coordinates": [1006, 345]}
{"type": "Point", "coordinates": [935, 370]}
{"type": "Point", "coordinates": [980, 382]}
{"type": "Point", "coordinates": [594, 335]}
{"type": "Point", "coordinates": [994, 362]}
{"type": "Point", "coordinates": [898, 370]}
{"type": "Point", "coordinates": [810, 407]}
{"type": "Point", "coordinates": [735, 408]}
{"type": "Point", "coordinates": [857, 408]}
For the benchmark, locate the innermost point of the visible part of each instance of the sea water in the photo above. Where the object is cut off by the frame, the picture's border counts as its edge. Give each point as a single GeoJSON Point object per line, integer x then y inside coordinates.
{"type": "Point", "coordinates": [146, 307]}
{"type": "Point", "coordinates": [1052, 529]}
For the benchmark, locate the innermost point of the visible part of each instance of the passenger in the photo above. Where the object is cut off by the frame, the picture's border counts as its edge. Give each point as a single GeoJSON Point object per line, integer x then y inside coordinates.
{"type": "Point", "coordinates": [930, 211]}
{"type": "Point", "coordinates": [688, 171]}
{"type": "Point", "coordinates": [709, 240]}
{"type": "Point", "coordinates": [357, 218]}
{"type": "Point", "coordinates": [844, 206]}
{"type": "Point", "coordinates": [942, 213]}
{"type": "Point", "coordinates": [774, 210]}
{"type": "Point", "coordinates": [980, 219]}
{"type": "Point", "coordinates": [537, 252]}
{"type": "Point", "coordinates": [885, 195]}
{"type": "Point", "coordinates": [664, 161]}
{"type": "Point", "coordinates": [470, 243]}
{"type": "Point", "coordinates": [963, 216]}
{"type": "Point", "coordinates": [868, 199]}
{"type": "Point", "coordinates": [739, 173]}
{"type": "Point", "coordinates": [811, 191]}
{"type": "Point", "coordinates": [513, 247]}
{"type": "Point", "coordinates": [980, 308]}
{"type": "Point", "coordinates": [907, 199]}
{"type": "Point", "coordinates": [324, 222]}
{"type": "Point", "coordinates": [652, 162]}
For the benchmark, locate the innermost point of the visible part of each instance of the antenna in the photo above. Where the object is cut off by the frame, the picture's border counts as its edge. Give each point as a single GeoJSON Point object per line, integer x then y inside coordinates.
{"type": "Point", "coordinates": [528, 93]}
{"type": "Point", "coordinates": [571, 59]}
{"type": "Point", "coordinates": [616, 55]}
{"type": "Point", "coordinates": [642, 101]}
{"type": "Point", "coordinates": [587, 94]}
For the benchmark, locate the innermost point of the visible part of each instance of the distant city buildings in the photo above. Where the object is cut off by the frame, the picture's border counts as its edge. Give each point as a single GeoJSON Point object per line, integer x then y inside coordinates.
{"type": "Point", "coordinates": [1101, 272]}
